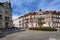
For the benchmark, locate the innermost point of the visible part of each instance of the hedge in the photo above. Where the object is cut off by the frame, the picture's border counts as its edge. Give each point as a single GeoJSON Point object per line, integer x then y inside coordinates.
{"type": "Point", "coordinates": [43, 28]}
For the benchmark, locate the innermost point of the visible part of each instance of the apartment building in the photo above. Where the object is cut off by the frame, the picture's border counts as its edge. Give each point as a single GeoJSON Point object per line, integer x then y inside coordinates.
{"type": "Point", "coordinates": [31, 19]}
{"type": "Point", "coordinates": [5, 15]}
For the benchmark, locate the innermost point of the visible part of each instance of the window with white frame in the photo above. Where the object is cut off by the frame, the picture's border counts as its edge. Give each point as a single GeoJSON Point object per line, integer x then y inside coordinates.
{"type": "Point", "coordinates": [54, 19]}
{"type": "Point", "coordinates": [32, 16]}
{"type": "Point", "coordinates": [37, 16]}
{"type": "Point", "coordinates": [54, 15]}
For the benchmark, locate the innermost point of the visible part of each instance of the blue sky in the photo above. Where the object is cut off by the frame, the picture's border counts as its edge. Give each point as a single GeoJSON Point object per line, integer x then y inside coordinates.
{"type": "Point", "coordinates": [21, 7]}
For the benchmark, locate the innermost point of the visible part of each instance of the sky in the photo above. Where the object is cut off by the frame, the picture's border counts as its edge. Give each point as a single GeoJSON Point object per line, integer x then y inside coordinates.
{"type": "Point", "coordinates": [21, 7]}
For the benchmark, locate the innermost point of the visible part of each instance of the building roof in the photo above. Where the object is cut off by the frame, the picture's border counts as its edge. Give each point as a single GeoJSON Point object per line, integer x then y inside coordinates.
{"type": "Point", "coordinates": [46, 12]}
{"type": "Point", "coordinates": [1, 4]}
{"type": "Point", "coordinates": [30, 13]}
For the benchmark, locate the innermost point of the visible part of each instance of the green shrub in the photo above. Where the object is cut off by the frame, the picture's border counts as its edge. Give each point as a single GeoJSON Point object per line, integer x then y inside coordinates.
{"type": "Point", "coordinates": [43, 28]}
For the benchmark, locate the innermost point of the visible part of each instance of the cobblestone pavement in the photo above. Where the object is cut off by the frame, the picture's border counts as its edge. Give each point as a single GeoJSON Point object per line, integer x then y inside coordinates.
{"type": "Point", "coordinates": [33, 35]}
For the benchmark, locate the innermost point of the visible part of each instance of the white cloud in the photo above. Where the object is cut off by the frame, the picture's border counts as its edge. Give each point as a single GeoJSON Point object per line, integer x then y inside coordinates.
{"type": "Point", "coordinates": [14, 17]}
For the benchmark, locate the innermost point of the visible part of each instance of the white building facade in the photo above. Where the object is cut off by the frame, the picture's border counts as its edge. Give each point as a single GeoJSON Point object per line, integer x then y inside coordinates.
{"type": "Point", "coordinates": [5, 15]}
{"type": "Point", "coordinates": [32, 19]}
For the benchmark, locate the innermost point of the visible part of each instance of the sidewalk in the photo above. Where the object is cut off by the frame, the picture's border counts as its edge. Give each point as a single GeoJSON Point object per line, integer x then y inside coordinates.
{"type": "Point", "coordinates": [5, 32]}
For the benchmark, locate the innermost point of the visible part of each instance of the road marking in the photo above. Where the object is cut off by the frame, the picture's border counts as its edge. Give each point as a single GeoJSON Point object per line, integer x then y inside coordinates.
{"type": "Point", "coordinates": [52, 39]}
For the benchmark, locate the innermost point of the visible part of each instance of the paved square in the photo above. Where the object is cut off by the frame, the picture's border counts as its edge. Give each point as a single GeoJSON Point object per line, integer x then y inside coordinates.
{"type": "Point", "coordinates": [33, 35]}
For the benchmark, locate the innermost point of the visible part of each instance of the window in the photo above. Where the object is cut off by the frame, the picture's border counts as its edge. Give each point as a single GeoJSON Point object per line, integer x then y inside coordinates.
{"type": "Point", "coordinates": [0, 23]}
{"type": "Point", "coordinates": [0, 16]}
{"type": "Point", "coordinates": [54, 15]}
{"type": "Point", "coordinates": [6, 12]}
{"type": "Point", "coordinates": [36, 16]}
{"type": "Point", "coordinates": [27, 20]}
{"type": "Point", "coordinates": [6, 18]}
{"type": "Point", "coordinates": [49, 15]}
{"type": "Point", "coordinates": [19, 24]}
{"type": "Point", "coordinates": [14, 24]}
{"type": "Point", "coordinates": [36, 24]}
{"type": "Point", "coordinates": [19, 21]}
{"type": "Point", "coordinates": [6, 5]}
{"type": "Point", "coordinates": [0, 9]}
{"type": "Point", "coordinates": [32, 20]}
{"type": "Point", "coordinates": [32, 16]}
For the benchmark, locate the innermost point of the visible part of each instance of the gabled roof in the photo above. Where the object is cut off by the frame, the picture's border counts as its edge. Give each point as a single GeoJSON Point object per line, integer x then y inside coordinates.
{"type": "Point", "coordinates": [30, 13]}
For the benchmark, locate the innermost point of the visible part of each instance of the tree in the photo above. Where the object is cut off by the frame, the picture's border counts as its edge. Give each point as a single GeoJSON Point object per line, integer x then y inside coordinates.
{"type": "Point", "coordinates": [40, 21]}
